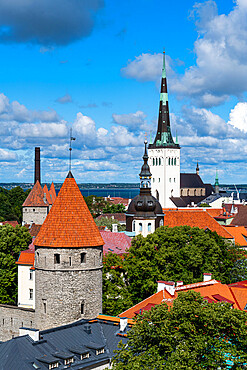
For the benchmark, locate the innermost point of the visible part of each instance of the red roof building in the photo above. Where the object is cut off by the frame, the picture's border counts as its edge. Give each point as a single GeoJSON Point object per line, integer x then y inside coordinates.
{"type": "Point", "coordinates": [115, 242]}
{"type": "Point", "coordinates": [36, 197]}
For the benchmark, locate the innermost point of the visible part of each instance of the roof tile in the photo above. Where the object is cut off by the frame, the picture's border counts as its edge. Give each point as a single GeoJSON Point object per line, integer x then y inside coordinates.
{"type": "Point", "coordinates": [35, 197]}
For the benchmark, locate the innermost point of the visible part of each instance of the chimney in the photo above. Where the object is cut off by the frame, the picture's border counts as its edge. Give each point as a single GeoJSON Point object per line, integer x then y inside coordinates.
{"type": "Point", "coordinates": [37, 165]}
{"type": "Point", "coordinates": [167, 285]}
{"type": "Point", "coordinates": [180, 283]}
{"type": "Point", "coordinates": [207, 276]}
{"type": "Point", "coordinates": [33, 333]}
{"type": "Point", "coordinates": [123, 323]}
{"type": "Point", "coordinates": [114, 228]}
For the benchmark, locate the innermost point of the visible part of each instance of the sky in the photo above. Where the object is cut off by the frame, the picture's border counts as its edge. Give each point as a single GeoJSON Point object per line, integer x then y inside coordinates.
{"type": "Point", "coordinates": [95, 66]}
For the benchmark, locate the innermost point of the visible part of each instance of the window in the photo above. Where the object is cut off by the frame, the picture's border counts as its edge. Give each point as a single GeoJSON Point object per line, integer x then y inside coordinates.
{"type": "Point", "coordinates": [84, 355]}
{"type": "Point", "coordinates": [83, 257]}
{"type": "Point", "coordinates": [31, 323]}
{"type": "Point", "coordinates": [100, 256]}
{"type": "Point", "coordinates": [34, 210]}
{"type": "Point", "coordinates": [161, 223]}
{"type": "Point", "coordinates": [160, 161]}
{"type": "Point", "coordinates": [70, 263]}
{"type": "Point", "coordinates": [82, 308]}
{"type": "Point", "coordinates": [44, 307]}
{"type": "Point", "coordinates": [11, 321]}
{"type": "Point", "coordinates": [156, 161]}
{"type": "Point", "coordinates": [174, 179]}
{"type": "Point", "coordinates": [159, 179]}
{"type": "Point", "coordinates": [170, 180]}
{"type": "Point", "coordinates": [37, 257]}
{"type": "Point", "coordinates": [153, 179]}
{"type": "Point", "coordinates": [169, 161]}
{"type": "Point", "coordinates": [56, 258]}
{"type": "Point", "coordinates": [153, 162]}
{"type": "Point", "coordinates": [134, 226]}
{"type": "Point", "coordinates": [54, 365]}
{"type": "Point", "coordinates": [30, 293]}
{"type": "Point", "coordinates": [174, 161]}
{"type": "Point", "coordinates": [3, 322]}
{"type": "Point", "coordinates": [100, 351]}
{"type": "Point", "coordinates": [140, 227]}
{"type": "Point", "coordinates": [149, 227]}
{"type": "Point", "coordinates": [31, 275]}
{"type": "Point", "coordinates": [68, 361]}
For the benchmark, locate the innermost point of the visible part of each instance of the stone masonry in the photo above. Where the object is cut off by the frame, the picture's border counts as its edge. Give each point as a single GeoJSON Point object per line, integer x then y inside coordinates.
{"type": "Point", "coordinates": [12, 318]}
{"type": "Point", "coordinates": [34, 214]}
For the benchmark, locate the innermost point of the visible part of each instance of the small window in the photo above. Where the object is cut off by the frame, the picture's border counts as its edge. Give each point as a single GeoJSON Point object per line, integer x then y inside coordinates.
{"type": "Point", "coordinates": [174, 179]}
{"type": "Point", "coordinates": [44, 307]}
{"type": "Point", "coordinates": [56, 258]}
{"type": "Point", "coordinates": [153, 162]}
{"type": "Point", "coordinates": [140, 227]}
{"type": "Point", "coordinates": [100, 256]}
{"type": "Point", "coordinates": [153, 179]}
{"type": "Point", "coordinates": [53, 366]}
{"type": "Point", "coordinates": [175, 161]}
{"type": "Point", "coordinates": [31, 324]}
{"type": "Point", "coordinates": [149, 227]}
{"type": "Point", "coordinates": [169, 161]}
{"type": "Point", "coordinates": [11, 321]}
{"type": "Point", "coordinates": [31, 275]}
{"type": "Point", "coordinates": [84, 355]}
{"type": "Point", "coordinates": [159, 179]}
{"type": "Point", "coordinates": [161, 222]}
{"type": "Point", "coordinates": [156, 161]}
{"type": "Point", "coordinates": [70, 262]}
{"type": "Point", "coordinates": [172, 161]}
{"type": "Point", "coordinates": [100, 351]}
{"type": "Point", "coordinates": [82, 308]}
{"type": "Point", "coordinates": [170, 180]}
{"type": "Point", "coordinates": [83, 257]}
{"type": "Point", "coordinates": [34, 210]}
{"type": "Point", "coordinates": [160, 161]}
{"type": "Point", "coordinates": [134, 226]}
{"type": "Point", "coordinates": [31, 294]}
{"type": "Point", "coordinates": [68, 361]}
{"type": "Point", "coordinates": [3, 322]}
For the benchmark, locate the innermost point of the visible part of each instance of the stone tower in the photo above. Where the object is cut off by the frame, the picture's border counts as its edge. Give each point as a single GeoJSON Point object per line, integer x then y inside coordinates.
{"type": "Point", "coordinates": [164, 154]}
{"type": "Point", "coordinates": [144, 214]}
{"type": "Point", "coordinates": [68, 261]}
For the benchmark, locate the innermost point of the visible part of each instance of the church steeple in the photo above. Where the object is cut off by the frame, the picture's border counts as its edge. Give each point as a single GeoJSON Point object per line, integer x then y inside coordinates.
{"type": "Point", "coordinates": [216, 183]}
{"type": "Point", "coordinates": [145, 174]}
{"type": "Point", "coordinates": [164, 137]}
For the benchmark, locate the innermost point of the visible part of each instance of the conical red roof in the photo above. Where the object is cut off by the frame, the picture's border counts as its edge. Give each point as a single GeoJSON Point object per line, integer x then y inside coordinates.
{"type": "Point", "coordinates": [47, 194]}
{"type": "Point", "coordinates": [69, 224]}
{"type": "Point", "coordinates": [36, 197]}
{"type": "Point", "coordinates": [52, 193]}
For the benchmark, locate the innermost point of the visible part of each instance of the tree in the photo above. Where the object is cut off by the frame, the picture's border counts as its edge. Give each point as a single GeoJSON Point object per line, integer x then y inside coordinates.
{"type": "Point", "coordinates": [116, 297]}
{"type": "Point", "coordinates": [191, 335]}
{"type": "Point", "coordinates": [114, 208]}
{"type": "Point", "coordinates": [12, 242]}
{"type": "Point", "coordinates": [179, 253]}
{"type": "Point", "coordinates": [108, 222]}
{"type": "Point", "coordinates": [95, 204]}
{"type": "Point", "coordinates": [11, 203]}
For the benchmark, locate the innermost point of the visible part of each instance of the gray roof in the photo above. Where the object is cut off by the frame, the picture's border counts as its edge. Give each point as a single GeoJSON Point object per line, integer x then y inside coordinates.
{"type": "Point", "coordinates": [61, 343]}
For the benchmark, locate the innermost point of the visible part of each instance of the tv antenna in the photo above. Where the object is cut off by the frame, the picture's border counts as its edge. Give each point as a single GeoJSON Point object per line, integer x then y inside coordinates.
{"type": "Point", "coordinates": [71, 138]}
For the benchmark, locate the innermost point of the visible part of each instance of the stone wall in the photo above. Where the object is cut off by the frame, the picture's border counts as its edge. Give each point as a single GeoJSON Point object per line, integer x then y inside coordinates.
{"type": "Point", "coordinates": [12, 318]}
{"type": "Point", "coordinates": [36, 215]}
{"type": "Point", "coordinates": [70, 289]}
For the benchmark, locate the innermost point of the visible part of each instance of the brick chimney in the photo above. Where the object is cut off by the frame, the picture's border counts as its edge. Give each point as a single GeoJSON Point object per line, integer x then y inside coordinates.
{"type": "Point", "coordinates": [37, 165]}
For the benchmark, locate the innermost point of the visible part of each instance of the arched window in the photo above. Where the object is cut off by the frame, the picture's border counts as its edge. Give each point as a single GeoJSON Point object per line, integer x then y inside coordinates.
{"type": "Point", "coordinates": [134, 226]}
{"type": "Point", "coordinates": [140, 227]}
{"type": "Point", "coordinates": [174, 161]}
{"type": "Point", "coordinates": [159, 161]}
{"type": "Point", "coordinates": [149, 227]}
{"type": "Point", "coordinates": [156, 161]}
{"type": "Point", "coordinates": [153, 162]}
{"type": "Point", "coordinates": [169, 161]}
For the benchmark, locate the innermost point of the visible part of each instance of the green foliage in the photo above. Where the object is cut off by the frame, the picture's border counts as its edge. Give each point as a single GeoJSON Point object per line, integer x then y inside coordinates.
{"type": "Point", "coordinates": [191, 335]}
{"type": "Point", "coordinates": [114, 208]}
{"type": "Point", "coordinates": [204, 205]}
{"type": "Point", "coordinates": [116, 297]}
{"type": "Point", "coordinates": [108, 222]}
{"type": "Point", "coordinates": [11, 203]}
{"type": "Point", "coordinates": [12, 242]}
{"type": "Point", "coordinates": [95, 204]}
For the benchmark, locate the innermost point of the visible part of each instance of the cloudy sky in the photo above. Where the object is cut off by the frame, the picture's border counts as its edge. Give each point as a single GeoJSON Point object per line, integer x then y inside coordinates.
{"type": "Point", "coordinates": [95, 66]}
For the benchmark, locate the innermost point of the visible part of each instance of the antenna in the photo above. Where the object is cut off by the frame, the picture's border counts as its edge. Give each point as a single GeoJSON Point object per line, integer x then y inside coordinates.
{"type": "Point", "coordinates": [71, 138]}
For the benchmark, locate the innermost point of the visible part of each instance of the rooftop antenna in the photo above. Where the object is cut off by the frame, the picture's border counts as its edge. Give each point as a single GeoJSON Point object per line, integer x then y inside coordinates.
{"type": "Point", "coordinates": [71, 138]}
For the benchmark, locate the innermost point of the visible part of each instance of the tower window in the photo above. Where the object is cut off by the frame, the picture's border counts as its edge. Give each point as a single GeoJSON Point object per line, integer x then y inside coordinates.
{"type": "Point", "coordinates": [153, 162]}
{"type": "Point", "coordinates": [82, 308]}
{"type": "Point", "coordinates": [153, 179]}
{"type": "Point", "coordinates": [140, 227]}
{"type": "Point", "coordinates": [44, 307]}
{"type": "Point", "coordinates": [160, 161]}
{"type": "Point", "coordinates": [30, 293]}
{"type": "Point", "coordinates": [169, 161]}
{"type": "Point", "coordinates": [156, 161]}
{"type": "Point", "coordinates": [172, 161]}
{"type": "Point", "coordinates": [149, 227]}
{"type": "Point", "coordinates": [170, 180]}
{"type": "Point", "coordinates": [83, 257]}
{"type": "Point", "coordinates": [174, 179]}
{"type": "Point", "coordinates": [175, 161]}
{"type": "Point", "coordinates": [56, 258]}
{"type": "Point", "coordinates": [159, 179]}
{"type": "Point", "coordinates": [70, 262]}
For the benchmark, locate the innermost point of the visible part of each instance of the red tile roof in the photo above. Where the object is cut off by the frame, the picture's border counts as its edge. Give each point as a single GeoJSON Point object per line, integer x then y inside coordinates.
{"type": "Point", "coordinates": [115, 242]}
{"type": "Point", "coordinates": [34, 230]}
{"type": "Point", "coordinates": [69, 223]}
{"type": "Point", "coordinates": [36, 197]}
{"type": "Point", "coordinates": [241, 217]}
{"type": "Point", "coordinates": [52, 193]}
{"type": "Point", "coordinates": [239, 233]}
{"type": "Point", "coordinates": [197, 218]}
{"type": "Point", "coordinates": [11, 223]}
{"type": "Point", "coordinates": [212, 291]}
{"type": "Point", "coordinates": [47, 194]}
{"type": "Point", "coordinates": [27, 257]}
{"type": "Point", "coordinates": [118, 200]}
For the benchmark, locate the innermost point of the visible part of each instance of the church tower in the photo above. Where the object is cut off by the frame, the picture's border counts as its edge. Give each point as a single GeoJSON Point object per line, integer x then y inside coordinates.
{"type": "Point", "coordinates": [68, 261]}
{"type": "Point", "coordinates": [164, 154]}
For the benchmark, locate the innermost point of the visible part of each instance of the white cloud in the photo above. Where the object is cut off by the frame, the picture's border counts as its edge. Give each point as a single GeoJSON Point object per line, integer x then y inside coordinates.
{"type": "Point", "coordinates": [238, 117]}
{"type": "Point", "coordinates": [7, 156]}
{"type": "Point", "coordinates": [42, 130]}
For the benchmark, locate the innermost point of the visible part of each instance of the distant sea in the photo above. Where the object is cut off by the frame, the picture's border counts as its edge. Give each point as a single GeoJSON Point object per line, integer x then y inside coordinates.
{"type": "Point", "coordinates": [123, 193]}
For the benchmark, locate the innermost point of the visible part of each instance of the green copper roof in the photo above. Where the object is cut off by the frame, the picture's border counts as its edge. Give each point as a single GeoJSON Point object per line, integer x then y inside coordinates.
{"type": "Point", "coordinates": [216, 178]}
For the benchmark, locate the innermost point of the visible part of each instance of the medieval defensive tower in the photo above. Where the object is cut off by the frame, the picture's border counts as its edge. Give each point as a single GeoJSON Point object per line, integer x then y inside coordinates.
{"type": "Point", "coordinates": [68, 261]}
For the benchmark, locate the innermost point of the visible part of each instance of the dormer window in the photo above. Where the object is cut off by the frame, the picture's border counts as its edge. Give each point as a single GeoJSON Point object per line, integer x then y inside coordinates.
{"type": "Point", "coordinates": [100, 351]}
{"type": "Point", "coordinates": [54, 365]}
{"type": "Point", "coordinates": [84, 355]}
{"type": "Point", "coordinates": [139, 204]}
{"type": "Point", "coordinates": [68, 361]}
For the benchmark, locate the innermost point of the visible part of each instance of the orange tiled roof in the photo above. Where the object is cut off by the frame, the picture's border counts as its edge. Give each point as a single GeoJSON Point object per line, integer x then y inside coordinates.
{"type": "Point", "coordinates": [47, 194]}
{"type": "Point", "coordinates": [199, 219]}
{"type": "Point", "coordinates": [214, 212]}
{"type": "Point", "coordinates": [35, 197]}
{"type": "Point", "coordinates": [34, 230]}
{"type": "Point", "coordinates": [52, 193]}
{"type": "Point", "coordinates": [69, 223]}
{"type": "Point", "coordinates": [11, 223]}
{"type": "Point", "coordinates": [239, 233]}
{"type": "Point", "coordinates": [211, 290]}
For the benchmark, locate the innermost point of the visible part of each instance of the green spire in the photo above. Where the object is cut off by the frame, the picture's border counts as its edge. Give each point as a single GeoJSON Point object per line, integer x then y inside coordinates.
{"type": "Point", "coordinates": [216, 178]}
{"type": "Point", "coordinates": [164, 65]}
{"type": "Point", "coordinates": [176, 137]}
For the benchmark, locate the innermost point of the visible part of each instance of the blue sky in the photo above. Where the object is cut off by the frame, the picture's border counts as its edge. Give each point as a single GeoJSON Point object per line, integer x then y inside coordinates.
{"type": "Point", "coordinates": [96, 65]}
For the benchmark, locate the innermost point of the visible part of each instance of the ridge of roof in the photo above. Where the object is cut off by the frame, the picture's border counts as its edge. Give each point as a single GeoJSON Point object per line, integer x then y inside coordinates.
{"type": "Point", "coordinates": [35, 197]}
{"type": "Point", "coordinates": [69, 224]}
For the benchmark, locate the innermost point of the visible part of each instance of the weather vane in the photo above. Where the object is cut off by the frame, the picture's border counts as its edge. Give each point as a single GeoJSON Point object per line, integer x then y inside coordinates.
{"type": "Point", "coordinates": [71, 138]}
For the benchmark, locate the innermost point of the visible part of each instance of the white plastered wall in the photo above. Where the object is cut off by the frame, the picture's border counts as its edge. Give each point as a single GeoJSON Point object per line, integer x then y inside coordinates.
{"type": "Point", "coordinates": [144, 227]}
{"type": "Point", "coordinates": [165, 174]}
{"type": "Point", "coordinates": [24, 286]}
